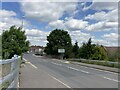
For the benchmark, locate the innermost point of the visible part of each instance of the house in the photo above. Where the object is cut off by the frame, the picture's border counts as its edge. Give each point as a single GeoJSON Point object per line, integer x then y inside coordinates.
{"type": "Point", "coordinates": [111, 50]}
{"type": "Point", "coordinates": [36, 48]}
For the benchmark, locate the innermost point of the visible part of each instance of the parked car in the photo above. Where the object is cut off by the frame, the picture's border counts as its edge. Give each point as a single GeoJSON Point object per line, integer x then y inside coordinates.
{"type": "Point", "coordinates": [28, 52]}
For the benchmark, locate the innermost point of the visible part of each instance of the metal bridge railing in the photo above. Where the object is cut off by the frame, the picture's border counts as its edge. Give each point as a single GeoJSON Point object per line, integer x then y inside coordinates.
{"type": "Point", "coordinates": [9, 73]}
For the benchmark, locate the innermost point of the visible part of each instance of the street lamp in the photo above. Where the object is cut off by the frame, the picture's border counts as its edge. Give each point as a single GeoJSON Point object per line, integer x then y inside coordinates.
{"type": "Point", "coordinates": [22, 21]}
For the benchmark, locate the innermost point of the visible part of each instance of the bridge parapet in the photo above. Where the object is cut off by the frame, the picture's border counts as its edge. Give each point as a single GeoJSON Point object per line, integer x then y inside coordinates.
{"type": "Point", "coordinates": [9, 73]}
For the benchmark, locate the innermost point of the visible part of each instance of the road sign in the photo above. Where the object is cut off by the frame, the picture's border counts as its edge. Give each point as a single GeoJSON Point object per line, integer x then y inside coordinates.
{"type": "Point", "coordinates": [61, 50]}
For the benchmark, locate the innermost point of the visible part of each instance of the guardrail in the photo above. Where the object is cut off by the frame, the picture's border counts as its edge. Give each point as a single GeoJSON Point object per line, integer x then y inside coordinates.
{"type": "Point", "coordinates": [98, 62]}
{"type": "Point", "coordinates": [94, 60]}
{"type": "Point", "coordinates": [9, 73]}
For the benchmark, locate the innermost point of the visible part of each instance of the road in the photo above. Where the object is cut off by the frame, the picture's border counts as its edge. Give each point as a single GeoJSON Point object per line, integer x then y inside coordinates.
{"type": "Point", "coordinates": [72, 75]}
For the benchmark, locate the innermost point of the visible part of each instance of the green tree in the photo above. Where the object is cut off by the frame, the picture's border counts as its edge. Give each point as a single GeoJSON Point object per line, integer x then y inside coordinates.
{"type": "Point", "coordinates": [76, 50]}
{"type": "Point", "coordinates": [86, 50]}
{"type": "Point", "coordinates": [82, 51]}
{"type": "Point", "coordinates": [99, 53]}
{"type": "Point", "coordinates": [59, 39]}
{"type": "Point", "coordinates": [92, 51]}
{"type": "Point", "coordinates": [14, 42]}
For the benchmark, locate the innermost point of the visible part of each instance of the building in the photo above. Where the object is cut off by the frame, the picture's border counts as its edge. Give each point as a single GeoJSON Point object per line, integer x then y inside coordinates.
{"type": "Point", "coordinates": [111, 50]}
{"type": "Point", "coordinates": [36, 48]}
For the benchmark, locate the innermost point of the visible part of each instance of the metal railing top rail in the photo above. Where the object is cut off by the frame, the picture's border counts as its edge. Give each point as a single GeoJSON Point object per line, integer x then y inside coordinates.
{"type": "Point", "coordinates": [12, 75]}
{"type": "Point", "coordinates": [9, 60]}
{"type": "Point", "coordinates": [93, 60]}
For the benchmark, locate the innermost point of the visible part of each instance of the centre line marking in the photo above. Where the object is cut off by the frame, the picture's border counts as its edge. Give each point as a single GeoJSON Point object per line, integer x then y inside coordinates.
{"type": "Point", "coordinates": [84, 71]}
{"type": "Point", "coordinates": [98, 69]}
{"type": "Point", "coordinates": [57, 64]}
{"type": "Point", "coordinates": [111, 79]}
{"type": "Point", "coordinates": [73, 68]}
{"type": "Point", "coordinates": [78, 70]}
{"type": "Point", "coordinates": [89, 67]}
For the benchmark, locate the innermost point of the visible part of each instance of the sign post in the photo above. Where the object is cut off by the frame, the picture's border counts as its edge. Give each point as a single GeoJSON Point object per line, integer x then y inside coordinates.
{"type": "Point", "coordinates": [61, 51]}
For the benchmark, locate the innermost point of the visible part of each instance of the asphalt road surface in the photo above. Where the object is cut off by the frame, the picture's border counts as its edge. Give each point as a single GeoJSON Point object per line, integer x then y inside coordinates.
{"type": "Point", "coordinates": [73, 76]}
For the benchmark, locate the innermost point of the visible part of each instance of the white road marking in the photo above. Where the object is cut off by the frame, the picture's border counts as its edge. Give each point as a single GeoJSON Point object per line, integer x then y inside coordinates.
{"type": "Point", "coordinates": [84, 71]}
{"type": "Point", "coordinates": [30, 63]}
{"type": "Point", "coordinates": [88, 67]}
{"type": "Point", "coordinates": [78, 70]}
{"type": "Point", "coordinates": [57, 64]}
{"type": "Point", "coordinates": [59, 81]}
{"type": "Point", "coordinates": [111, 79]}
{"type": "Point", "coordinates": [49, 74]}
{"type": "Point", "coordinates": [24, 59]}
{"type": "Point", "coordinates": [98, 69]}
{"type": "Point", "coordinates": [71, 68]}
{"type": "Point", "coordinates": [59, 60]}
{"type": "Point", "coordinates": [18, 84]}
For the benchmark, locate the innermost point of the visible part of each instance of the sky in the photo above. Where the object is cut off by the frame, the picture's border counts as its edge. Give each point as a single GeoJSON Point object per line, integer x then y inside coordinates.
{"type": "Point", "coordinates": [82, 20]}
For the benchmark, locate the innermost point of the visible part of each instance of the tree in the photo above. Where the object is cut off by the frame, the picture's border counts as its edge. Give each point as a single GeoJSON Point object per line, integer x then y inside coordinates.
{"type": "Point", "coordinates": [76, 50]}
{"type": "Point", "coordinates": [58, 39]}
{"type": "Point", "coordinates": [92, 51]}
{"type": "Point", "coordinates": [86, 50]}
{"type": "Point", "coordinates": [99, 53]}
{"type": "Point", "coordinates": [14, 42]}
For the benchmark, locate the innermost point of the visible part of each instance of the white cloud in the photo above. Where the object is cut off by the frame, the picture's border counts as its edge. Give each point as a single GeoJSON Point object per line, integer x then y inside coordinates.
{"type": "Point", "coordinates": [69, 24]}
{"type": "Point", "coordinates": [96, 16]}
{"type": "Point", "coordinates": [75, 24]}
{"type": "Point", "coordinates": [111, 16]}
{"type": "Point", "coordinates": [50, 0]}
{"type": "Point", "coordinates": [102, 6]}
{"type": "Point", "coordinates": [105, 20]}
{"type": "Point", "coordinates": [47, 11]}
{"type": "Point", "coordinates": [102, 26]}
{"type": "Point", "coordinates": [36, 37]}
{"type": "Point", "coordinates": [5, 13]}
{"type": "Point", "coordinates": [35, 32]}
{"type": "Point", "coordinates": [51, 13]}
{"type": "Point", "coordinates": [102, 42]}
{"type": "Point", "coordinates": [79, 36]}
{"type": "Point", "coordinates": [8, 19]}
{"type": "Point", "coordinates": [112, 25]}
{"type": "Point", "coordinates": [57, 24]}
{"type": "Point", "coordinates": [111, 37]}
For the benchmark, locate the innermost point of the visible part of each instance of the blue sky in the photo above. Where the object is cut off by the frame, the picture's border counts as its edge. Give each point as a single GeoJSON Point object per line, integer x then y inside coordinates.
{"type": "Point", "coordinates": [83, 20]}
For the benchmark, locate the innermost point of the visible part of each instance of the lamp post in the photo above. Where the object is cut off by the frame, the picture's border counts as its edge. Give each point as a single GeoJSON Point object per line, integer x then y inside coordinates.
{"type": "Point", "coordinates": [22, 21]}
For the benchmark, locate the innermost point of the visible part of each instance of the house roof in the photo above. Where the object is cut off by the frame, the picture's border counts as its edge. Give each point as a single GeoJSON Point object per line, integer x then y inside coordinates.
{"type": "Point", "coordinates": [36, 47]}
{"type": "Point", "coordinates": [112, 49]}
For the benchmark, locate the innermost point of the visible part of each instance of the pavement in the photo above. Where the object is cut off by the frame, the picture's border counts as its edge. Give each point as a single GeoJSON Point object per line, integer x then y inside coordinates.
{"type": "Point", "coordinates": [43, 72]}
